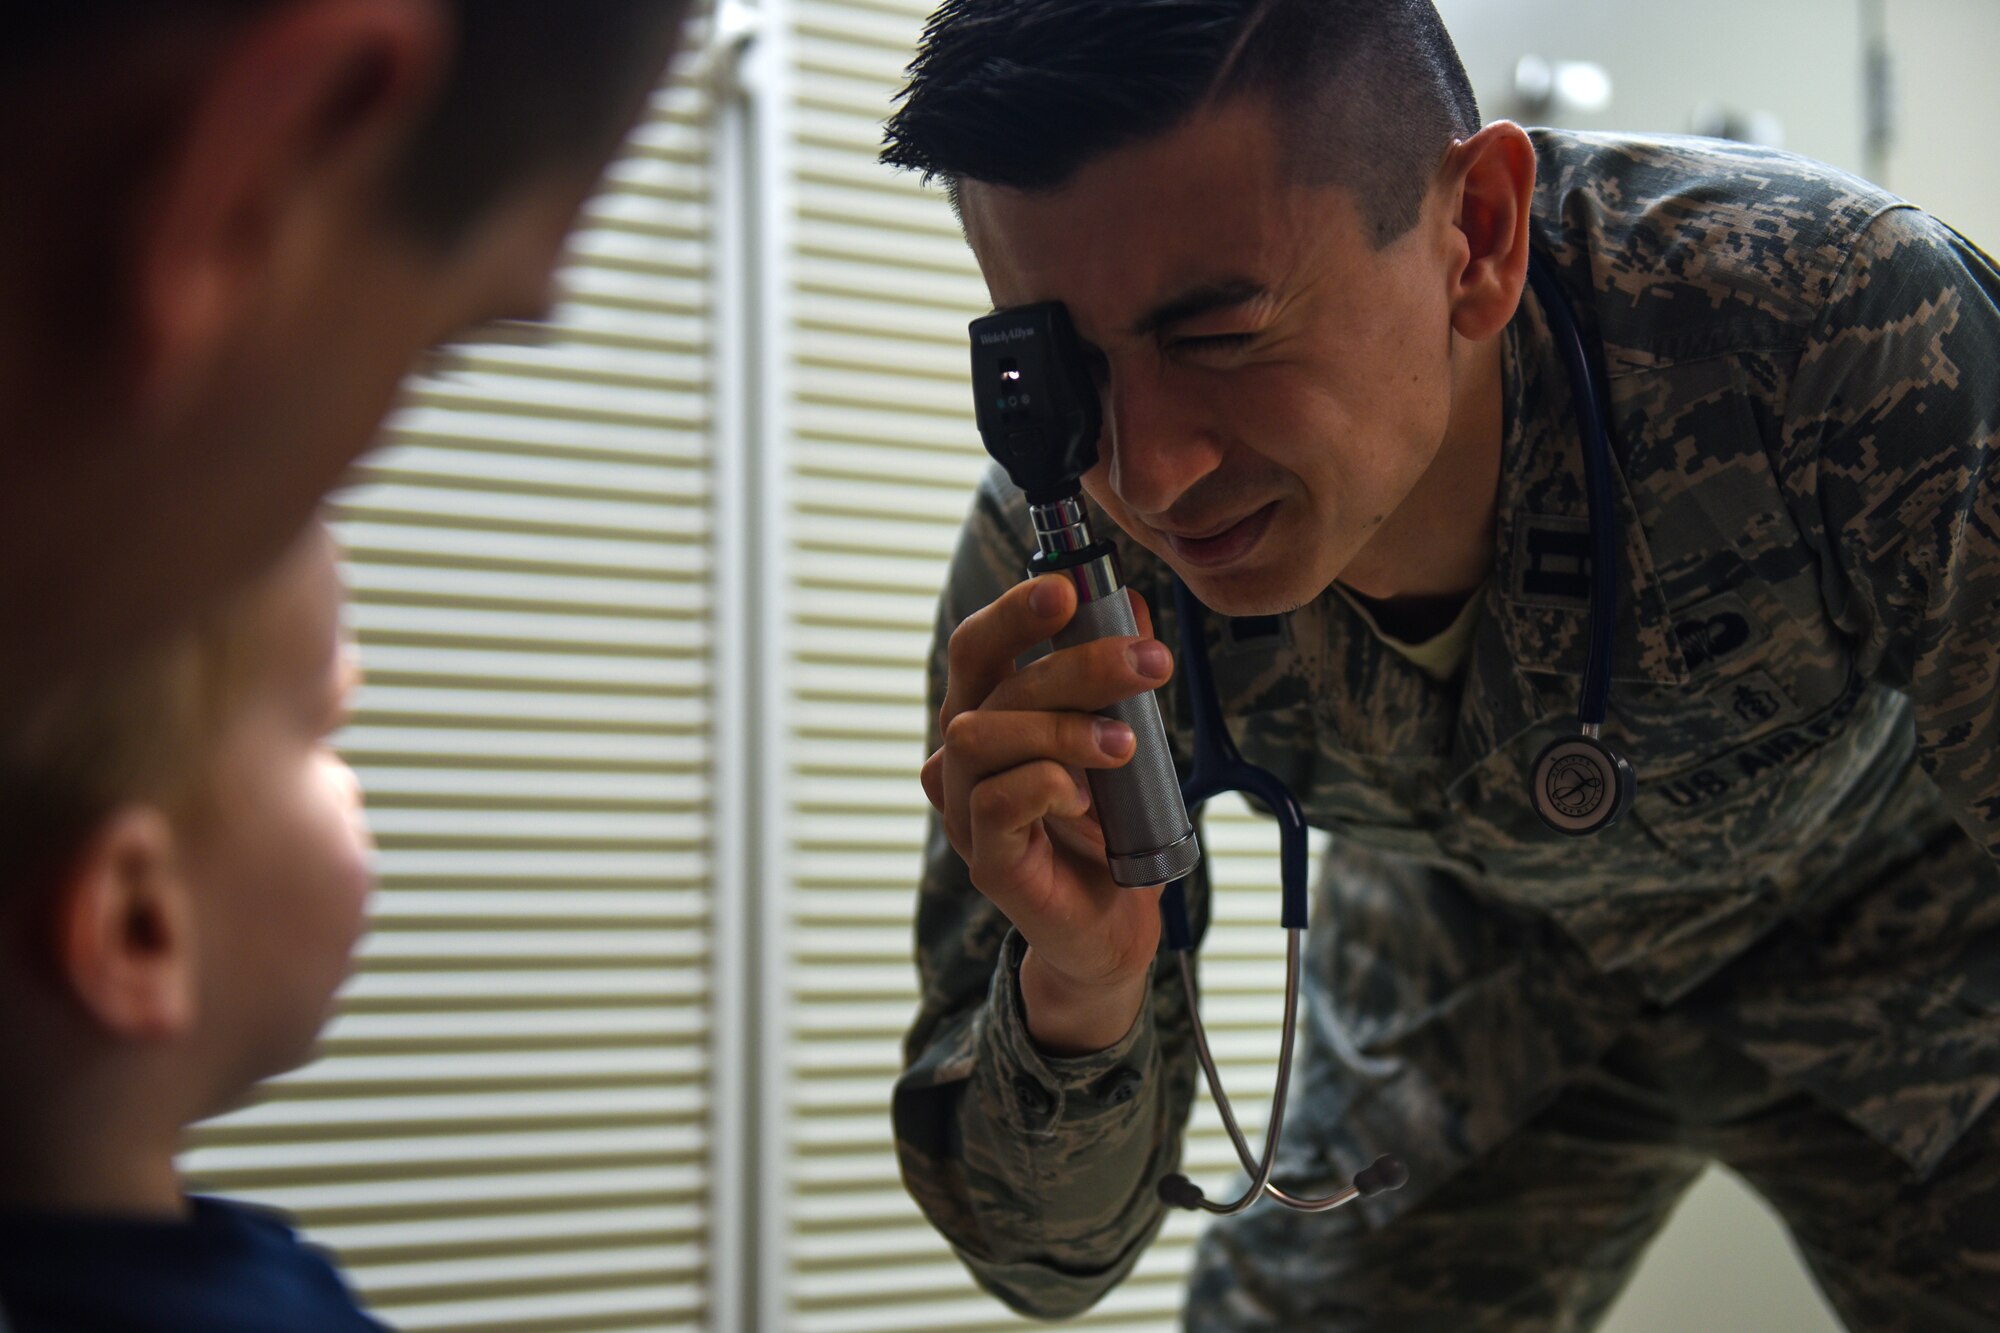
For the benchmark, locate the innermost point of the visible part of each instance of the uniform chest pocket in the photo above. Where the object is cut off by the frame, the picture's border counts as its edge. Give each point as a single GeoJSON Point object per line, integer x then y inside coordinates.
{"type": "Point", "coordinates": [1751, 770]}
{"type": "Point", "coordinates": [1493, 828]}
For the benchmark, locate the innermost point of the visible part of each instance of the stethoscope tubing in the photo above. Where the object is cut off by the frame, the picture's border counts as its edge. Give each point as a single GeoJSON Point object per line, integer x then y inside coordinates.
{"type": "Point", "coordinates": [1219, 767]}
{"type": "Point", "coordinates": [1597, 484]}
{"type": "Point", "coordinates": [1259, 1169]}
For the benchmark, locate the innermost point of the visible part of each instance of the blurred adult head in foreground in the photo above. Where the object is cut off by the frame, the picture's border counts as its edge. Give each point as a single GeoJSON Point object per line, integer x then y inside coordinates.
{"type": "Point", "coordinates": [229, 227]}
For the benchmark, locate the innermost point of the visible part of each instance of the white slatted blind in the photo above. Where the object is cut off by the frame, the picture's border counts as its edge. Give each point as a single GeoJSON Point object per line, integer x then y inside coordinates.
{"type": "Point", "coordinates": [510, 1126]}
{"type": "Point", "coordinates": [883, 456]}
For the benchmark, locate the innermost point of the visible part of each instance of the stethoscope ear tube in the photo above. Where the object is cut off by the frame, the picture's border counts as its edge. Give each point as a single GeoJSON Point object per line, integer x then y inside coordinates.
{"type": "Point", "coordinates": [1591, 423]}
{"type": "Point", "coordinates": [1219, 767]}
{"type": "Point", "coordinates": [1179, 936]}
{"type": "Point", "coordinates": [1177, 1191]}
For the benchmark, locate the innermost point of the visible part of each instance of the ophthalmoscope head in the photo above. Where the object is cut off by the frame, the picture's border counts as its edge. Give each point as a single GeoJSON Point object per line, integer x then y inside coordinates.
{"type": "Point", "coordinates": [1037, 407]}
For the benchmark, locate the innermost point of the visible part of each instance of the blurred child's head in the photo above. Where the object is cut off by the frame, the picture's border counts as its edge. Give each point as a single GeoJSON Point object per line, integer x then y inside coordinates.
{"type": "Point", "coordinates": [183, 866]}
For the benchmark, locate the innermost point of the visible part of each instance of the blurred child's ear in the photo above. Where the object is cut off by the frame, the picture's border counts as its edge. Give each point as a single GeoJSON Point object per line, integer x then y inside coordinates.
{"type": "Point", "coordinates": [123, 927]}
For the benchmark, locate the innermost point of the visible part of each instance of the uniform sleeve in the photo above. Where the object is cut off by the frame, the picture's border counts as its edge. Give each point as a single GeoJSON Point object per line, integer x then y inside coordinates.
{"type": "Point", "coordinates": [1039, 1171]}
{"type": "Point", "coordinates": [1890, 436]}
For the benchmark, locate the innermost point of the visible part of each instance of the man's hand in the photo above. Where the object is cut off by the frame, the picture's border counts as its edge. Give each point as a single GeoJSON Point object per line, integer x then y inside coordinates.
{"type": "Point", "coordinates": [1009, 784]}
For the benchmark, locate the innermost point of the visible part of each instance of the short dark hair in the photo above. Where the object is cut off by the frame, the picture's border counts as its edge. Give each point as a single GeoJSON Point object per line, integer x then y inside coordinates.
{"type": "Point", "coordinates": [532, 84]}
{"type": "Point", "coordinates": [1022, 93]}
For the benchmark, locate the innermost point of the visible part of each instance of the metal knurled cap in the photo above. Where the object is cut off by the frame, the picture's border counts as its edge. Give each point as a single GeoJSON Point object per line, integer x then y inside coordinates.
{"type": "Point", "coordinates": [1142, 870]}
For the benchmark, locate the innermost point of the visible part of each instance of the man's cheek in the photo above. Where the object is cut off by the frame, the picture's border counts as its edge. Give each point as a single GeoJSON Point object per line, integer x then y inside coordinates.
{"type": "Point", "coordinates": [1107, 500]}
{"type": "Point", "coordinates": [1097, 485]}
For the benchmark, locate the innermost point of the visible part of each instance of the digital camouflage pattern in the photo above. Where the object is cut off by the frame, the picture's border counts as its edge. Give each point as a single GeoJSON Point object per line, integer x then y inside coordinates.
{"type": "Point", "coordinates": [1541, 1234]}
{"type": "Point", "coordinates": [1804, 382]}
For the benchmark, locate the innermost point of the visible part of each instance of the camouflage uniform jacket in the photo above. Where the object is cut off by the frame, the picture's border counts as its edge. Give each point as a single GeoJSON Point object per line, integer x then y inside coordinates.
{"type": "Point", "coordinates": [1804, 384]}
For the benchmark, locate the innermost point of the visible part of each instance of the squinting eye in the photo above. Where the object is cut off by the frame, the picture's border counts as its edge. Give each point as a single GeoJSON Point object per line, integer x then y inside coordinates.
{"type": "Point", "coordinates": [1215, 342]}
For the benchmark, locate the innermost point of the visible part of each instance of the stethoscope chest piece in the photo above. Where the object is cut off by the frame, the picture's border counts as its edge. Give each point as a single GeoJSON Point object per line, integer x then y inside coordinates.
{"type": "Point", "coordinates": [1581, 785]}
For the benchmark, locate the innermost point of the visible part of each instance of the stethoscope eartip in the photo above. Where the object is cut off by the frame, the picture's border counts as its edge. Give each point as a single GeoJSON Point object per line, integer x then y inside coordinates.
{"type": "Point", "coordinates": [1178, 1191]}
{"type": "Point", "coordinates": [1385, 1174]}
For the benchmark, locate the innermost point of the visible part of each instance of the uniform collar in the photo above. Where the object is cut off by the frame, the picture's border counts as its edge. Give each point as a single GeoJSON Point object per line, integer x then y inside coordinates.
{"type": "Point", "coordinates": [1540, 594]}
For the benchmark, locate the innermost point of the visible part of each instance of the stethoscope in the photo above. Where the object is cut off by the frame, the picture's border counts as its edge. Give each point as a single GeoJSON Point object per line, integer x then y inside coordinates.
{"type": "Point", "coordinates": [1580, 786]}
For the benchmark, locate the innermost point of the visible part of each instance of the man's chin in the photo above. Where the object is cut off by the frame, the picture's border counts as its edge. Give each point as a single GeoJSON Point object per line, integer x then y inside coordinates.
{"type": "Point", "coordinates": [1255, 591]}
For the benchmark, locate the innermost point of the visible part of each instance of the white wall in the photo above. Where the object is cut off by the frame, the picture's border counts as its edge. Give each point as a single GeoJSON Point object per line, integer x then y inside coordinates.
{"type": "Point", "coordinates": [1723, 1265]}
{"type": "Point", "coordinates": [1947, 105]}
{"type": "Point", "coordinates": [1800, 60]}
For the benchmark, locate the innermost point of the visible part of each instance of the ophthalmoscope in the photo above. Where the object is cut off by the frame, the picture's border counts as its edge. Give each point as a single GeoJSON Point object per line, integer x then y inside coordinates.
{"type": "Point", "coordinates": [1040, 418]}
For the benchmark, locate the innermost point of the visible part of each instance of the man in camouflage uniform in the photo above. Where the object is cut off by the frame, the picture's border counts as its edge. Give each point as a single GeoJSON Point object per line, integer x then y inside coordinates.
{"type": "Point", "coordinates": [1785, 958]}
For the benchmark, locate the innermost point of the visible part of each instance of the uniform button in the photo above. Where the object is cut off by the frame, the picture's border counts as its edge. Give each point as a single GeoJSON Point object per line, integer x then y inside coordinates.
{"type": "Point", "coordinates": [1034, 1098]}
{"type": "Point", "coordinates": [1119, 1086]}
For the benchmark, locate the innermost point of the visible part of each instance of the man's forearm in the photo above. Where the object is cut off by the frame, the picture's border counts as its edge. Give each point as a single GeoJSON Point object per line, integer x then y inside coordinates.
{"type": "Point", "coordinates": [1038, 1169]}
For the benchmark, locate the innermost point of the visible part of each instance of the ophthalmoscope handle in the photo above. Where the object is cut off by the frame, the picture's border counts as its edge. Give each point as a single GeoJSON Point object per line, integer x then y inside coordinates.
{"type": "Point", "coordinates": [1146, 829]}
{"type": "Point", "coordinates": [1147, 834]}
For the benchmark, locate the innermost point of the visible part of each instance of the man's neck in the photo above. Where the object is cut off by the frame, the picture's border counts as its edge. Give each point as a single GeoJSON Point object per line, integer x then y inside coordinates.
{"type": "Point", "coordinates": [1437, 547]}
{"type": "Point", "coordinates": [1413, 620]}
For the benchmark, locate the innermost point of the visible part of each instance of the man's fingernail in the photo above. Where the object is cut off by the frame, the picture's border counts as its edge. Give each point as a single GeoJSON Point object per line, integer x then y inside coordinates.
{"type": "Point", "coordinates": [1114, 738]}
{"type": "Point", "coordinates": [1151, 659]}
{"type": "Point", "coordinates": [1046, 599]}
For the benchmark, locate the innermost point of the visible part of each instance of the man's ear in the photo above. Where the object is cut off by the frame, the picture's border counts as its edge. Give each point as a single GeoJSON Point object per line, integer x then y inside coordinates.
{"type": "Point", "coordinates": [124, 929]}
{"type": "Point", "coordinates": [1491, 177]}
{"type": "Point", "coordinates": [291, 136]}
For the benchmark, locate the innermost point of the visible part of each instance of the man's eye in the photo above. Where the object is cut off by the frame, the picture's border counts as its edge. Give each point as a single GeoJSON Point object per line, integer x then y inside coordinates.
{"type": "Point", "coordinates": [1215, 342]}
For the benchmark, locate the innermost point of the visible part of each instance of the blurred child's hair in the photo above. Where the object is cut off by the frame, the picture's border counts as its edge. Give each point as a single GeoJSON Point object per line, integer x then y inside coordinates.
{"type": "Point", "coordinates": [143, 730]}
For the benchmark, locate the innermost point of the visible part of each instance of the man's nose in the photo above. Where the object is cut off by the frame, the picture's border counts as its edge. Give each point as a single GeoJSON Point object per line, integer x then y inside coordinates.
{"type": "Point", "coordinates": [1157, 444]}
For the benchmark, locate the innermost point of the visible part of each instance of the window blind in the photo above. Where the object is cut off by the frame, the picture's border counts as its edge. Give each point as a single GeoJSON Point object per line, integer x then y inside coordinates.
{"type": "Point", "coordinates": [509, 1128]}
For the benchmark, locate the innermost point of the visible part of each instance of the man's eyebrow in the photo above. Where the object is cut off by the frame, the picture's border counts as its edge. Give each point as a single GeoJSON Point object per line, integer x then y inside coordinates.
{"type": "Point", "coordinates": [1197, 301]}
